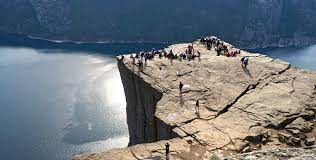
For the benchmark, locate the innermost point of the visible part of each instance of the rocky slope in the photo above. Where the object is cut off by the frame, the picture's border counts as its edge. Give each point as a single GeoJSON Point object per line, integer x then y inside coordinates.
{"type": "Point", "coordinates": [53, 15]}
{"type": "Point", "coordinates": [269, 105]}
{"type": "Point", "coordinates": [279, 23]}
{"type": "Point", "coordinates": [289, 154]}
{"type": "Point", "coordinates": [246, 23]}
{"type": "Point", "coordinates": [133, 153]}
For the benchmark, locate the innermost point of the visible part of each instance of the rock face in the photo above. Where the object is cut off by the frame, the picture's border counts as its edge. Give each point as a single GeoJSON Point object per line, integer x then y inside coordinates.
{"type": "Point", "coordinates": [241, 109]}
{"type": "Point", "coordinates": [246, 23]}
{"type": "Point", "coordinates": [53, 15]}
{"type": "Point", "coordinates": [142, 99]}
{"type": "Point", "coordinates": [273, 23]}
{"type": "Point", "coordinates": [290, 154]}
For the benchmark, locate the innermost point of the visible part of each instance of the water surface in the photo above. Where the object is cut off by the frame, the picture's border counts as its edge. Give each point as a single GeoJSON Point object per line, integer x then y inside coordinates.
{"type": "Point", "coordinates": [60, 99]}
{"type": "Point", "coordinates": [55, 105]}
{"type": "Point", "coordinates": [303, 57]}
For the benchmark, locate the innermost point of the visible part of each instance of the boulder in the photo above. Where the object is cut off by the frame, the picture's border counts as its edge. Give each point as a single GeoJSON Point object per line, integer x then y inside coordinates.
{"type": "Point", "coordinates": [310, 141]}
{"type": "Point", "coordinates": [294, 132]}
{"type": "Point", "coordinates": [295, 140]}
{"type": "Point", "coordinates": [300, 124]}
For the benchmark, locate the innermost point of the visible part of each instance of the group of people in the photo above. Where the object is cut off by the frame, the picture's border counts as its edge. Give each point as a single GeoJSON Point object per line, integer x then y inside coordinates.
{"type": "Point", "coordinates": [232, 53]}
{"type": "Point", "coordinates": [209, 41]}
{"type": "Point", "coordinates": [222, 49]}
{"type": "Point", "coordinates": [219, 46]}
{"type": "Point", "coordinates": [188, 54]}
{"type": "Point", "coordinates": [141, 58]}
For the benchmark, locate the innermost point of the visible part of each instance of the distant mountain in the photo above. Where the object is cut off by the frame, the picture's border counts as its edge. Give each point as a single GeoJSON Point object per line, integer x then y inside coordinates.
{"type": "Point", "coordinates": [246, 23]}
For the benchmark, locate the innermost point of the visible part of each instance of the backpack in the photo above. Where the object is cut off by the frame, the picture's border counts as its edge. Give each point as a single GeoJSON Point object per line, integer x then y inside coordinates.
{"type": "Point", "coordinates": [246, 60]}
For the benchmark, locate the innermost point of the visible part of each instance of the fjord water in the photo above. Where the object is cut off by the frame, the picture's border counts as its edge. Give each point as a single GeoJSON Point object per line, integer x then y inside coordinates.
{"type": "Point", "coordinates": [55, 105]}
{"type": "Point", "coordinates": [60, 99]}
{"type": "Point", "coordinates": [303, 57]}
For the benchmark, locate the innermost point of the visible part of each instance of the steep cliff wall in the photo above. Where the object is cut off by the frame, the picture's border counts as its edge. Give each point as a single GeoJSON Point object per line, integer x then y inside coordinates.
{"type": "Point", "coordinates": [142, 101]}
{"type": "Point", "coordinates": [53, 15]}
{"type": "Point", "coordinates": [279, 23]}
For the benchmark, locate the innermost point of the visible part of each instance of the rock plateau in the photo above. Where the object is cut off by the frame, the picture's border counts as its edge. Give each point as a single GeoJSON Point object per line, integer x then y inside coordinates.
{"type": "Point", "coordinates": [268, 106]}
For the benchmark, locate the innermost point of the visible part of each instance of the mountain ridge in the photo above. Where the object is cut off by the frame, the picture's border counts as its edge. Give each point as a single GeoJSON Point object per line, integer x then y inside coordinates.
{"type": "Point", "coordinates": [246, 23]}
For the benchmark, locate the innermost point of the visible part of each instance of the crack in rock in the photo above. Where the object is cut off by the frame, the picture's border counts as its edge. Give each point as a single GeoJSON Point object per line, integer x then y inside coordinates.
{"type": "Point", "coordinates": [226, 108]}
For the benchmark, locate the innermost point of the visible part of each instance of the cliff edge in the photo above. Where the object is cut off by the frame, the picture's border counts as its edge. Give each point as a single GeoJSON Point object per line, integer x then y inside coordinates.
{"type": "Point", "coordinates": [267, 105]}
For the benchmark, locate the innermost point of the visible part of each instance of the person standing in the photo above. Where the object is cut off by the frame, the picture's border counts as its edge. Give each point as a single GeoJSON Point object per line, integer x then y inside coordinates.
{"type": "Point", "coordinates": [167, 151]}
{"type": "Point", "coordinates": [242, 61]}
{"type": "Point", "coordinates": [133, 60]}
{"type": "Point", "coordinates": [180, 87]}
{"type": "Point", "coordinates": [197, 108]}
{"type": "Point", "coordinates": [246, 61]}
{"type": "Point", "coordinates": [146, 58]}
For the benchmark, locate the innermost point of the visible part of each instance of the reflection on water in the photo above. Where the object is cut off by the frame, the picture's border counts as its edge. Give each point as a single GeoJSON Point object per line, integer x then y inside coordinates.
{"type": "Point", "coordinates": [56, 105]}
{"type": "Point", "coordinates": [60, 99]}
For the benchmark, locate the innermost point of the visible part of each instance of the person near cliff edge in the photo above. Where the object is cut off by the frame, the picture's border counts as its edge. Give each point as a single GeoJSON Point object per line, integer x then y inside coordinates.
{"type": "Point", "coordinates": [133, 59]}
{"type": "Point", "coordinates": [242, 61]}
{"type": "Point", "coordinates": [246, 61]}
{"type": "Point", "coordinates": [146, 58]}
{"type": "Point", "coordinates": [167, 151]}
{"type": "Point", "coordinates": [142, 54]}
{"type": "Point", "coordinates": [160, 55]}
{"type": "Point", "coordinates": [140, 62]}
{"type": "Point", "coordinates": [122, 58]}
{"type": "Point", "coordinates": [171, 56]}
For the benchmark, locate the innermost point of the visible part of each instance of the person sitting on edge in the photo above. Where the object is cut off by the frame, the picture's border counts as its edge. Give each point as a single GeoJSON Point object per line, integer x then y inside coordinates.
{"type": "Point", "coordinates": [176, 56]}
{"type": "Point", "coordinates": [202, 40]}
{"type": "Point", "coordinates": [234, 54]}
{"type": "Point", "coordinates": [160, 55]}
